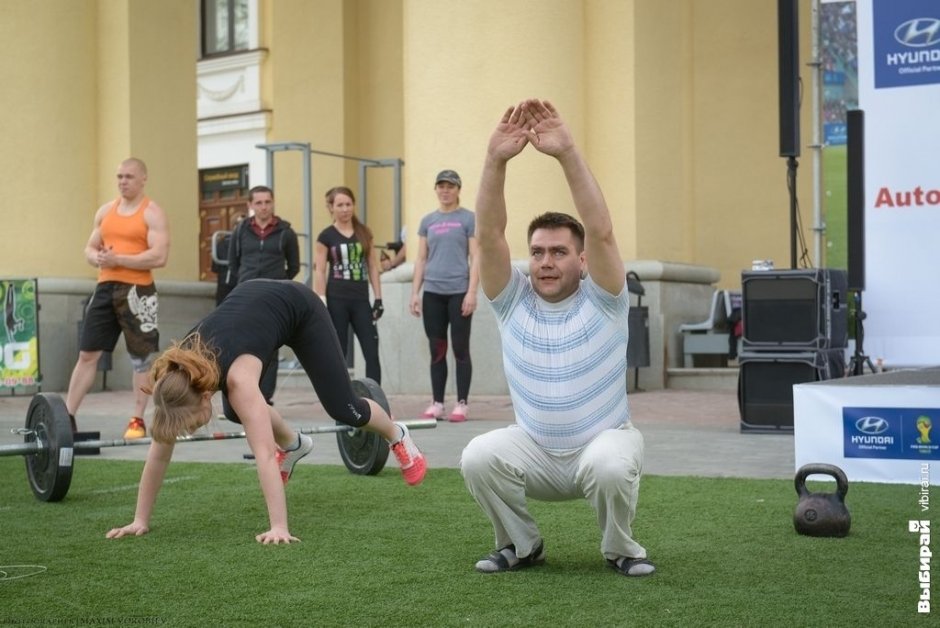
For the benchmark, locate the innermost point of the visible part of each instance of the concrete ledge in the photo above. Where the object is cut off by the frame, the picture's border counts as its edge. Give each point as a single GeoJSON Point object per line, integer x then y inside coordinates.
{"type": "Point", "coordinates": [84, 287]}
{"type": "Point", "coordinates": [723, 379]}
{"type": "Point", "coordinates": [674, 293]}
{"type": "Point", "coordinates": [654, 270]}
{"type": "Point", "coordinates": [182, 303]}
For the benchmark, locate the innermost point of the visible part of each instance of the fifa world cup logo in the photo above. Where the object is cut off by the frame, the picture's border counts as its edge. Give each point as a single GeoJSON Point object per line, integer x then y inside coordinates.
{"type": "Point", "coordinates": [924, 425]}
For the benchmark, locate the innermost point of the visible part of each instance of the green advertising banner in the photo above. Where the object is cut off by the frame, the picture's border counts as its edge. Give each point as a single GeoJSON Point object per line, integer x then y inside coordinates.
{"type": "Point", "coordinates": [19, 341]}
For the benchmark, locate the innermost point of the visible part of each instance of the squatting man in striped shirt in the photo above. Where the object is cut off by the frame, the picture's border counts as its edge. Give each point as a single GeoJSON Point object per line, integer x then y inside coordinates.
{"type": "Point", "coordinates": [564, 339]}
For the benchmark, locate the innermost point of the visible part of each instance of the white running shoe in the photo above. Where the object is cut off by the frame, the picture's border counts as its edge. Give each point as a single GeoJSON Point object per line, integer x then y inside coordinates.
{"type": "Point", "coordinates": [287, 459]}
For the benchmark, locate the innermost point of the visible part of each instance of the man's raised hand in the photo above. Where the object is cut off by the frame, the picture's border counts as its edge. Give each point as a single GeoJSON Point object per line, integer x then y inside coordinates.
{"type": "Point", "coordinates": [546, 130]}
{"type": "Point", "coordinates": [510, 136]}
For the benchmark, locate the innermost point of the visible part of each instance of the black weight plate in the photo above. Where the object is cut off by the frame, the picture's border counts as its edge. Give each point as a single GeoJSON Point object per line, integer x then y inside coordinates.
{"type": "Point", "coordinates": [364, 453]}
{"type": "Point", "coordinates": [50, 469]}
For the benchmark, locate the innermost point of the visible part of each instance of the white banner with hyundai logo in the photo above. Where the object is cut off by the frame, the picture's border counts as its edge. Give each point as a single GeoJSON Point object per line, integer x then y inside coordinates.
{"type": "Point", "coordinates": [899, 91]}
{"type": "Point", "coordinates": [876, 428]}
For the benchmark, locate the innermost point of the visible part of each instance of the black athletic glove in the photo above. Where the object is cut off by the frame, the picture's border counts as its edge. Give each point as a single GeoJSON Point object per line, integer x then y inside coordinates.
{"type": "Point", "coordinates": [377, 310]}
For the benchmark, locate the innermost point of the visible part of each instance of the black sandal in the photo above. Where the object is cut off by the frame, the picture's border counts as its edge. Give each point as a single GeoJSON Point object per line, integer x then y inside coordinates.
{"type": "Point", "coordinates": [633, 567]}
{"type": "Point", "coordinates": [497, 561]}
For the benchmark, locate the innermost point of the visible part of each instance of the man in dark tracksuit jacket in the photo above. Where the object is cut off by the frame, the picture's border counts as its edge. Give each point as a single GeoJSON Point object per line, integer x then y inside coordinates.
{"type": "Point", "coordinates": [263, 247]}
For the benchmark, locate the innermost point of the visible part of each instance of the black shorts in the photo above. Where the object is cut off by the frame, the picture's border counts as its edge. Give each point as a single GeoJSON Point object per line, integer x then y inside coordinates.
{"type": "Point", "coordinates": [117, 307]}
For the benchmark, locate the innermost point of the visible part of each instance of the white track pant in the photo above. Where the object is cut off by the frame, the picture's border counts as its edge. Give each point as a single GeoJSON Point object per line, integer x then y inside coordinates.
{"type": "Point", "coordinates": [504, 467]}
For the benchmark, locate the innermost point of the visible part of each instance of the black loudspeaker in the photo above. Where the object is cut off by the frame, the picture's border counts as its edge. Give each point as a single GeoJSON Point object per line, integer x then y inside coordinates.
{"type": "Point", "coordinates": [638, 343]}
{"type": "Point", "coordinates": [855, 174]}
{"type": "Point", "coordinates": [794, 310]}
{"type": "Point", "coordinates": [765, 384]}
{"type": "Point", "coordinates": [788, 40]}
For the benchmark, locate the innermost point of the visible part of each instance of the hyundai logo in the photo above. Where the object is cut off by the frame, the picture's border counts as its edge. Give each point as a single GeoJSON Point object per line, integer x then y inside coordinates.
{"type": "Point", "coordinates": [871, 425]}
{"type": "Point", "coordinates": [919, 32]}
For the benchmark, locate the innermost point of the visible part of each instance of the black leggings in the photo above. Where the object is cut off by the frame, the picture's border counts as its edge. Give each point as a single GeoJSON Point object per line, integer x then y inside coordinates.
{"type": "Point", "coordinates": [268, 385]}
{"type": "Point", "coordinates": [441, 310]}
{"type": "Point", "coordinates": [358, 313]}
{"type": "Point", "coordinates": [317, 349]}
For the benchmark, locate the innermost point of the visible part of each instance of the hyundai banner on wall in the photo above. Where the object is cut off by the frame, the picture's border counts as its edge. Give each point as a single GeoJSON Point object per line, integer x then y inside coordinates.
{"type": "Point", "coordinates": [899, 91]}
{"type": "Point", "coordinates": [907, 49]}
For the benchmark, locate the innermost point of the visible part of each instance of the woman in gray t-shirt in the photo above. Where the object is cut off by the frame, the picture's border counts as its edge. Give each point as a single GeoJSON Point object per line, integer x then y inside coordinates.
{"type": "Point", "coordinates": [446, 268]}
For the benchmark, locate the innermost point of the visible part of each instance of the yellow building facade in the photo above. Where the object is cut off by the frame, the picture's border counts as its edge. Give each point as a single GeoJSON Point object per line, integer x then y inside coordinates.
{"type": "Point", "coordinates": [674, 103]}
{"type": "Point", "coordinates": [87, 84]}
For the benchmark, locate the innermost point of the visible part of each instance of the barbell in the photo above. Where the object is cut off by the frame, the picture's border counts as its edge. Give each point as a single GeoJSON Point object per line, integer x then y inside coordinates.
{"type": "Point", "coordinates": [49, 447]}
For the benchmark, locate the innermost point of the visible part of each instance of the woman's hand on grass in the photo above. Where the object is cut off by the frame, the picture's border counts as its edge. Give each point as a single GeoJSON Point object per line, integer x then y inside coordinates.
{"type": "Point", "coordinates": [131, 529]}
{"type": "Point", "coordinates": [275, 536]}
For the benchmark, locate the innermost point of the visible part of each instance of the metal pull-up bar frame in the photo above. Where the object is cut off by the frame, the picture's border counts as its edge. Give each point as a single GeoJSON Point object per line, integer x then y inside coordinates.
{"type": "Point", "coordinates": [364, 164]}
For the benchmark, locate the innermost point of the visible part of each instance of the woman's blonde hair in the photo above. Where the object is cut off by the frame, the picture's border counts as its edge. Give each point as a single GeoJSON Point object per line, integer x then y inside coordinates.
{"type": "Point", "coordinates": [179, 377]}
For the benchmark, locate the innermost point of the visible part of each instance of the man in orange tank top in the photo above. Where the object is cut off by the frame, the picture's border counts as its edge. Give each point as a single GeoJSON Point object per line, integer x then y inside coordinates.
{"type": "Point", "coordinates": [130, 238]}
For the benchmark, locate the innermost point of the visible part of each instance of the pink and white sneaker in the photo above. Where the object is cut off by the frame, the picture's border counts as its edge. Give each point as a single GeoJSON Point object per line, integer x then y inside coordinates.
{"type": "Point", "coordinates": [287, 460]}
{"type": "Point", "coordinates": [434, 411]}
{"type": "Point", "coordinates": [460, 412]}
{"type": "Point", "coordinates": [412, 461]}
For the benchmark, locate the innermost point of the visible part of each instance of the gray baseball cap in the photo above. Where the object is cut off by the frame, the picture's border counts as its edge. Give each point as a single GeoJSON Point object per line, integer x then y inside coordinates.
{"type": "Point", "coordinates": [450, 176]}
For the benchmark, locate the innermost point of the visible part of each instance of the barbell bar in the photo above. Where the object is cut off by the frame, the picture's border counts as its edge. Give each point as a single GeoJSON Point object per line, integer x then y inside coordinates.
{"type": "Point", "coordinates": [49, 446]}
{"type": "Point", "coordinates": [33, 447]}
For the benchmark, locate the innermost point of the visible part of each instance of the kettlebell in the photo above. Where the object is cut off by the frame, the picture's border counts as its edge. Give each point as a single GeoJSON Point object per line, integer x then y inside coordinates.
{"type": "Point", "coordinates": [821, 514]}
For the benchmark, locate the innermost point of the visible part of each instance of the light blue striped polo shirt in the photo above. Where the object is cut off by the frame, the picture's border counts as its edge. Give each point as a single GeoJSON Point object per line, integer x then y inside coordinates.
{"type": "Point", "coordinates": [565, 362]}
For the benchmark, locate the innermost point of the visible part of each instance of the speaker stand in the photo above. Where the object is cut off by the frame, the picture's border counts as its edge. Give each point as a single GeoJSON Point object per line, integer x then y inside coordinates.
{"type": "Point", "coordinates": [859, 359]}
{"type": "Point", "coordinates": [792, 165]}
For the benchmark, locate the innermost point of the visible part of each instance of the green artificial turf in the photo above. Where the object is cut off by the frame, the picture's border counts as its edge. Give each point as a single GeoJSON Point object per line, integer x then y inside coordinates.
{"type": "Point", "coordinates": [378, 553]}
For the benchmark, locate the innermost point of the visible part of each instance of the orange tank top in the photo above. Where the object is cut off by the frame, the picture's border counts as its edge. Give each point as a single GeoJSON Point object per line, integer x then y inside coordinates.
{"type": "Point", "coordinates": [126, 235]}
